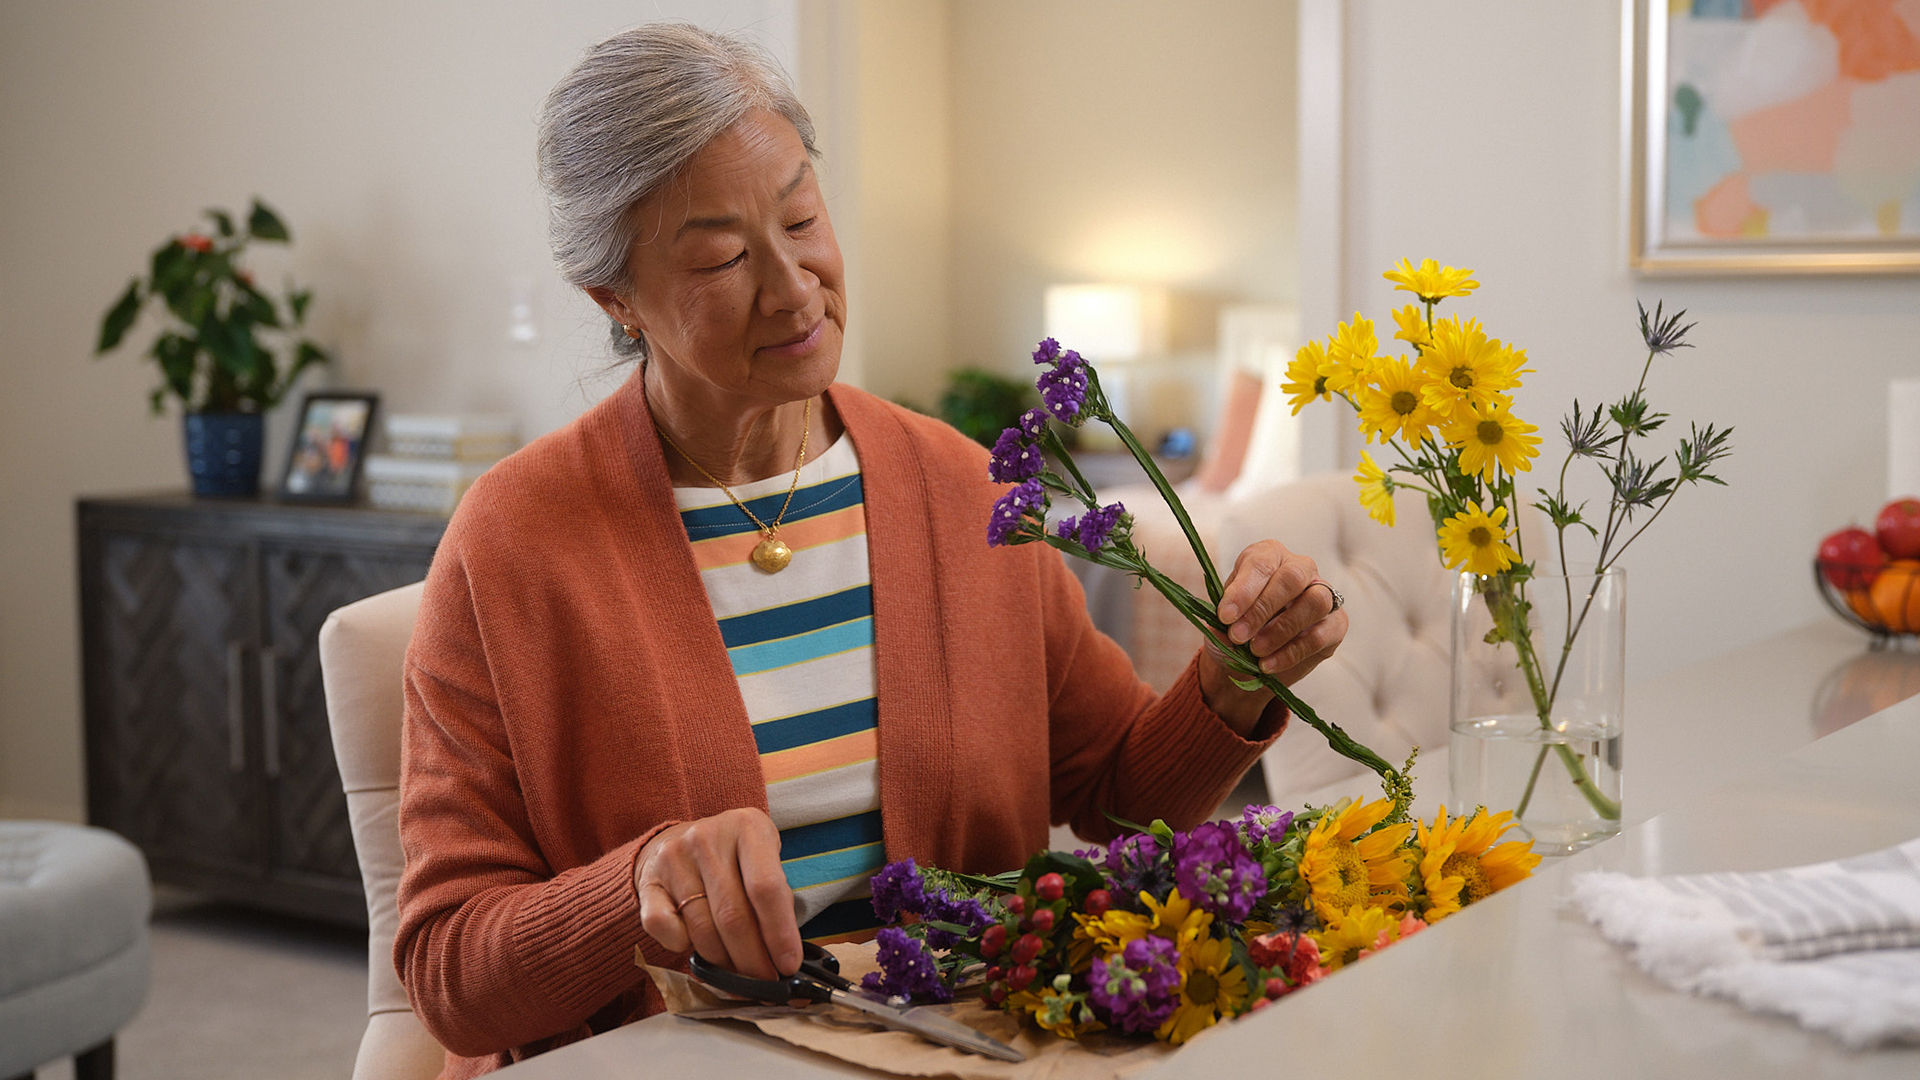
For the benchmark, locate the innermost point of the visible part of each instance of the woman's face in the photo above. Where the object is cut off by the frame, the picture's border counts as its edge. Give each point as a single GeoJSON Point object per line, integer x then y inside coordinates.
{"type": "Point", "coordinates": [737, 280]}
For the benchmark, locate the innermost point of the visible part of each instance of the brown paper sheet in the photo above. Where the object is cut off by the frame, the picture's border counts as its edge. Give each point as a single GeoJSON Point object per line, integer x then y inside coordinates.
{"type": "Point", "coordinates": [832, 1032]}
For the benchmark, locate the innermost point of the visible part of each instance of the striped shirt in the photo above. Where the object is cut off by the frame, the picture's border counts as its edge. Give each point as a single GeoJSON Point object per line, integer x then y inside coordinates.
{"type": "Point", "coordinates": [801, 645]}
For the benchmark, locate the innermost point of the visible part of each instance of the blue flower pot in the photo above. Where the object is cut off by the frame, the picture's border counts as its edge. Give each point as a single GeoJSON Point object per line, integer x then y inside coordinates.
{"type": "Point", "coordinates": [223, 453]}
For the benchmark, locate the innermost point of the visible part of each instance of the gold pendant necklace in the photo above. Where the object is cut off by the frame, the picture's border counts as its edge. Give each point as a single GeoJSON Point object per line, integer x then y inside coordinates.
{"type": "Point", "coordinates": [771, 554]}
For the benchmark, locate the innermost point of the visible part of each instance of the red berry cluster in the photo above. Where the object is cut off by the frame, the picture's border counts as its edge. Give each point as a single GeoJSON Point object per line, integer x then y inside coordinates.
{"type": "Point", "coordinates": [1037, 928]}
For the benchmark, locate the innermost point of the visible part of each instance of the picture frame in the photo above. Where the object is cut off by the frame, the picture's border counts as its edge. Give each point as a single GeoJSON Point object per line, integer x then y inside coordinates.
{"type": "Point", "coordinates": [1813, 169]}
{"type": "Point", "coordinates": [329, 447]}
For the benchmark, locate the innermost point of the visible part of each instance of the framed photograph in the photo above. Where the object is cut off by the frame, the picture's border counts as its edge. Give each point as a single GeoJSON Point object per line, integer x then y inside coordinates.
{"type": "Point", "coordinates": [1772, 136]}
{"type": "Point", "coordinates": [329, 447]}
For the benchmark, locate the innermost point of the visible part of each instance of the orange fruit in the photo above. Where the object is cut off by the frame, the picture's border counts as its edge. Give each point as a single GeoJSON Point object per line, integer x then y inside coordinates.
{"type": "Point", "coordinates": [1895, 594]}
{"type": "Point", "coordinates": [1861, 601]}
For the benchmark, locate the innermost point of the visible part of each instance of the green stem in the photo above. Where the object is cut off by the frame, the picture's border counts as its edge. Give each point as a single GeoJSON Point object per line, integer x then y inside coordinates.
{"type": "Point", "coordinates": [1140, 454]}
{"type": "Point", "coordinates": [1511, 619]}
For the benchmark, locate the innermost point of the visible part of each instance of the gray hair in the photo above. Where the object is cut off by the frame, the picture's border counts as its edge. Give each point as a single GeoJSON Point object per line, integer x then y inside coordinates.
{"type": "Point", "coordinates": [627, 118]}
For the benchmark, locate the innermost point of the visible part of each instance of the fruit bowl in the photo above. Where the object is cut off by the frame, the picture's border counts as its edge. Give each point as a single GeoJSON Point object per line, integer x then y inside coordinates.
{"type": "Point", "coordinates": [1884, 601]}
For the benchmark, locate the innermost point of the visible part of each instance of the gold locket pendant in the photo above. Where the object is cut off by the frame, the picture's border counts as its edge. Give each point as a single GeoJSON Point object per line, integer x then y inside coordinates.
{"type": "Point", "coordinates": [771, 555]}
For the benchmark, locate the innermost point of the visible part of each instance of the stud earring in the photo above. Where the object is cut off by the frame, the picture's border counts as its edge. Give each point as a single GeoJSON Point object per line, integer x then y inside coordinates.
{"type": "Point", "coordinates": [631, 332]}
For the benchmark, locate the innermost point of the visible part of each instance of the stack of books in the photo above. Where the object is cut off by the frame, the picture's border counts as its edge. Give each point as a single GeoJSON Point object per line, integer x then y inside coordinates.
{"type": "Point", "coordinates": [432, 459]}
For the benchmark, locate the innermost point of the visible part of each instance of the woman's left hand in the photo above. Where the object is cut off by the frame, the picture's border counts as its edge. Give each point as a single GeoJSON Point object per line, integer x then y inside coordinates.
{"type": "Point", "coordinates": [1275, 603]}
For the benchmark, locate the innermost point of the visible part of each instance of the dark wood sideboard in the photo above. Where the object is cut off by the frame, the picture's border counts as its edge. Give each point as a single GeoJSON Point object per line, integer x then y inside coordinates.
{"type": "Point", "coordinates": [206, 725]}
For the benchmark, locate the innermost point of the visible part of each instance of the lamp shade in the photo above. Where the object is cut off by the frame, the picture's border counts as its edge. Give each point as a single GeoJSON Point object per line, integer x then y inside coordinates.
{"type": "Point", "coordinates": [1108, 323]}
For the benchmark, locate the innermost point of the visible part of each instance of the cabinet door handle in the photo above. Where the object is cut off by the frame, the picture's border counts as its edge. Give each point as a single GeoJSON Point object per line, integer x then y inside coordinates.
{"type": "Point", "coordinates": [236, 709]}
{"type": "Point", "coordinates": [270, 709]}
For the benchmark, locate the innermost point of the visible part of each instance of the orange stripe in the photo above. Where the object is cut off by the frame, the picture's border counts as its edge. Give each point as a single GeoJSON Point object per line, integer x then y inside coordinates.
{"type": "Point", "coordinates": [806, 760]}
{"type": "Point", "coordinates": [814, 531]}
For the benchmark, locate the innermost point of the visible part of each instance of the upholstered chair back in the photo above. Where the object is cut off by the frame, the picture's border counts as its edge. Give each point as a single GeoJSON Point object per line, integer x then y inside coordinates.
{"type": "Point", "coordinates": [362, 649]}
{"type": "Point", "coordinates": [1390, 682]}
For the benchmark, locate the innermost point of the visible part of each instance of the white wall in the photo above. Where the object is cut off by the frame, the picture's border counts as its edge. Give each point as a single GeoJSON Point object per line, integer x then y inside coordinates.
{"type": "Point", "coordinates": [1486, 134]}
{"type": "Point", "coordinates": [1132, 141]}
{"type": "Point", "coordinates": [396, 140]}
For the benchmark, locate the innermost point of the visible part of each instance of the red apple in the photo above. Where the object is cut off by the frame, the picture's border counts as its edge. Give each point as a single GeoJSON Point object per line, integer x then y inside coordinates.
{"type": "Point", "coordinates": [1898, 528]}
{"type": "Point", "coordinates": [1851, 558]}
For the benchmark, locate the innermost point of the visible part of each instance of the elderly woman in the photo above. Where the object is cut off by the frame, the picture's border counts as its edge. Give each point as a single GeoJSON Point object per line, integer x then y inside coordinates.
{"type": "Point", "coordinates": [690, 669]}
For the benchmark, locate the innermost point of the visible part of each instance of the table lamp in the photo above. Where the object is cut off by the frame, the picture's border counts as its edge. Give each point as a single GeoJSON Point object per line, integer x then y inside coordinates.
{"type": "Point", "coordinates": [1114, 326]}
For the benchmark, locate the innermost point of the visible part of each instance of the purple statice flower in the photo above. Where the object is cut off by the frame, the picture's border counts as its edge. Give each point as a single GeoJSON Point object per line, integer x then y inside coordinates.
{"type": "Point", "coordinates": [1096, 528]}
{"type": "Point", "coordinates": [906, 969]}
{"type": "Point", "coordinates": [1011, 512]}
{"type": "Point", "coordinates": [1033, 423]}
{"type": "Point", "coordinates": [1264, 824]}
{"type": "Point", "coordinates": [1063, 389]}
{"type": "Point", "coordinates": [1015, 458]}
{"type": "Point", "coordinates": [1048, 352]}
{"type": "Point", "coordinates": [1136, 989]}
{"type": "Point", "coordinates": [1136, 864]}
{"type": "Point", "coordinates": [1069, 528]}
{"type": "Point", "coordinates": [959, 910]}
{"type": "Point", "coordinates": [1215, 871]}
{"type": "Point", "coordinates": [898, 890]}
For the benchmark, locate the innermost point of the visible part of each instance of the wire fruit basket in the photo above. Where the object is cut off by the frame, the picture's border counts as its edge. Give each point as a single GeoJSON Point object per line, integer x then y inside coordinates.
{"type": "Point", "coordinates": [1883, 601]}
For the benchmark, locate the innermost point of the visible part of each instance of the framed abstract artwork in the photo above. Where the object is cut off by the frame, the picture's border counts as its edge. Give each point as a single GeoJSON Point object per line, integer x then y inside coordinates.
{"type": "Point", "coordinates": [1776, 136]}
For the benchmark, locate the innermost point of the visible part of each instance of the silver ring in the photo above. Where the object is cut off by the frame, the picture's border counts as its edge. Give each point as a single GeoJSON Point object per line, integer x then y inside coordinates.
{"type": "Point", "coordinates": [1338, 600]}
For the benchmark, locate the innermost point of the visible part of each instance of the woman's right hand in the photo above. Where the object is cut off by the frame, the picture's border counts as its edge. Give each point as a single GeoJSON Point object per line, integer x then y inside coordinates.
{"type": "Point", "coordinates": [715, 886]}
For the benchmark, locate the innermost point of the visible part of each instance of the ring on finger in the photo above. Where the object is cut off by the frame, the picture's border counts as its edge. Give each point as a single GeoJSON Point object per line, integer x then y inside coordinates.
{"type": "Point", "coordinates": [1339, 601]}
{"type": "Point", "coordinates": [681, 905]}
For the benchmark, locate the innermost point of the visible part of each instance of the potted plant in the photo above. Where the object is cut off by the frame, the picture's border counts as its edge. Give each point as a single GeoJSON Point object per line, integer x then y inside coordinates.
{"type": "Point", "coordinates": [211, 352]}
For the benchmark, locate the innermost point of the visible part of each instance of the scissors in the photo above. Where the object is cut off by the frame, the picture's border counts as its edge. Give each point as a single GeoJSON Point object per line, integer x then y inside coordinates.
{"type": "Point", "coordinates": [819, 980]}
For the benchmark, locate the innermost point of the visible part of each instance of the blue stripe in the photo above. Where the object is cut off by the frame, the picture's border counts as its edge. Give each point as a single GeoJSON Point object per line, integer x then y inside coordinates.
{"type": "Point", "coordinates": [850, 831]}
{"type": "Point", "coordinates": [845, 917]}
{"type": "Point", "coordinates": [796, 618]}
{"type": "Point", "coordinates": [773, 736]}
{"type": "Point", "coordinates": [827, 641]}
{"type": "Point", "coordinates": [864, 860]}
{"type": "Point", "coordinates": [810, 501]}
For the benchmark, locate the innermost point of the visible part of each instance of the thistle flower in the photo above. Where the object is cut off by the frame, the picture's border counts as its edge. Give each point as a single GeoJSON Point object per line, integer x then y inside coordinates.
{"type": "Point", "coordinates": [1212, 866]}
{"type": "Point", "coordinates": [1135, 990]}
{"type": "Point", "coordinates": [1663, 333]}
{"type": "Point", "coordinates": [906, 969]}
{"type": "Point", "coordinates": [1014, 459]}
{"type": "Point", "coordinates": [1135, 865]}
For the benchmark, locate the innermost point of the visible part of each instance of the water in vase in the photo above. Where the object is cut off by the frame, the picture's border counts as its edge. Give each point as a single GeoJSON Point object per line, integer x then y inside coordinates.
{"type": "Point", "coordinates": [1492, 758]}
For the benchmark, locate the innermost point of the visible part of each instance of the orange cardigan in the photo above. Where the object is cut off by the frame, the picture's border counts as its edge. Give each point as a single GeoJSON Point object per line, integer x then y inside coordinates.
{"type": "Point", "coordinates": [568, 696]}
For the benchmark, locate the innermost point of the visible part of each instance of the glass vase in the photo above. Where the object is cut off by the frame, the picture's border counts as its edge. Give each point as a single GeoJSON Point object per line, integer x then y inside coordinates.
{"type": "Point", "coordinates": [1539, 674]}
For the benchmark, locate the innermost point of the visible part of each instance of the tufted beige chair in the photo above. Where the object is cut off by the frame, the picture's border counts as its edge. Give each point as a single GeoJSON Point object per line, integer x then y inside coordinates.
{"type": "Point", "coordinates": [1389, 683]}
{"type": "Point", "coordinates": [362, 648]}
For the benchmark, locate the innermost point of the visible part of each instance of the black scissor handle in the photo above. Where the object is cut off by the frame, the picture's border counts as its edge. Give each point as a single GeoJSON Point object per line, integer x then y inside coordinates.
{"type": "Point", "coordinates": [817, 979]}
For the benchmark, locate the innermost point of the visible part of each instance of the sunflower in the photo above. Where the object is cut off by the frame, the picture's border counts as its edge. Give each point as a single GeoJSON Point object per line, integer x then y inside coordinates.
{"type": "Point", "coordinates": [1307, 376]}
{"type": "Point", "coordinates": [1212, 985]}
{"type": "Point", "coordinates": [1344, 870]}
{"type": "Point", "coordinates": [1430, 281]}
{"type": "Point", "coordinates": [1460, 863]}
{"type": "Point", "coordinates": [1376, 490]}
{"type": "Point", "coordinates": [1413, 327]}
{"type": "Point", "coordinates": [1354, 932]}
{"type": "Point", "coordinates": [1390, 403]}
{"type": "Point", "coordinates": [1177, 920]}
{"type": "Point", "coordinates": [1493, 436]}
{"type": "Point", "coordinates": [1350, 353]}
{"type": "Point", "coordinates": [1477, 539]}
{"type": "Point", "coordinates": [1464, 368]}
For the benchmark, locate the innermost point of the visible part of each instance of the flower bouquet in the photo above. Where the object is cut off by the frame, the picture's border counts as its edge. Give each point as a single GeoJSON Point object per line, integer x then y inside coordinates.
{"type": "Point", "coordinates": [1167, 933]}
{"type": "Point", "coordinates": [1447, 416]}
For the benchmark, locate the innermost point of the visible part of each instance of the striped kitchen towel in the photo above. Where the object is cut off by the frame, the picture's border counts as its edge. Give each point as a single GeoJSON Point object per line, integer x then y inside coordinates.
{"type": "Point", "coordinates": [1835, 945]}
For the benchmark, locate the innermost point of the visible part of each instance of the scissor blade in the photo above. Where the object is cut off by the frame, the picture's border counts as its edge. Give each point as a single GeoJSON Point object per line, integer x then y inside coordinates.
{"type": "Point", "coordinates": [930, 1025]}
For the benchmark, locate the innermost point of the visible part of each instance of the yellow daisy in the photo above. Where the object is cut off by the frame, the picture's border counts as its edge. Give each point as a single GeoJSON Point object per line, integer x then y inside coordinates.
{"type": "Point", "coordinates": [1177, 920]}
{"type": "Point", "coordinates": [1212, 985]}
{"type": "Point", "coordinates": [1478, 540]}
{"type": "Point", "coordinates": [1307, 376]}
{"type": "Point", "coordinates": [1464, 368]}
{"type": "Point", "coordinates": [1342, 869]}
{"type": "Point", "coordinates": [1391, 404]}
{"type": "Point", "coordinates": [1430, 281]}
{"type": "Point", "coordinates": [1351, 933]}
{"type": "Point", "coordinates": [1376, 490]}
{"type": "Point", "coordinates": [1493, 436]}
{"type": "Point", "coordinates": [1460, 863]}
{"type": "Point", "coordinates": [1413, 326]}
{"type": "Point", "coordinates": [1350, 353]}
{"type": "Point", "coordinates": [1055, 1011]}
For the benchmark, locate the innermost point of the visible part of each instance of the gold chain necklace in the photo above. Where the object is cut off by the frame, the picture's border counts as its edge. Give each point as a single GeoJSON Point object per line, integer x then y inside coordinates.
{"type": "Point", "coordinates": [771, 554]}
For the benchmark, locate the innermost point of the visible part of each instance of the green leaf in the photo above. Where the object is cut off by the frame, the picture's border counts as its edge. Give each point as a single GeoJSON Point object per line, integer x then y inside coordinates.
{"type": "Point", "coordinates": [299, 300]}
{"type": "Point", "coordinates": [119, 318]}
{"type": "Point", "coordinates": [264, 224]}
{"type": "Point", "coordinates": [171, 266]}
{"type": "Point", "coordinates": [222, 221]}
{"type": "Point", "coordinates": [157, 400]}
{"type": "Point", "coordinates": [175, 354]}
{"type": "Point", "coordinates": [1244, 684]}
